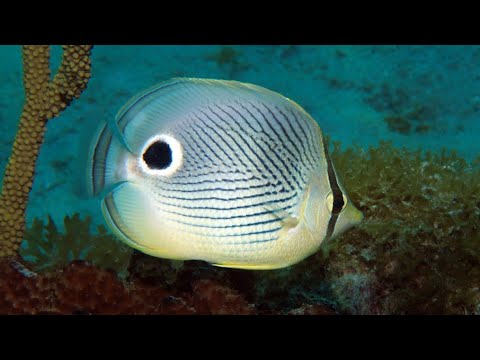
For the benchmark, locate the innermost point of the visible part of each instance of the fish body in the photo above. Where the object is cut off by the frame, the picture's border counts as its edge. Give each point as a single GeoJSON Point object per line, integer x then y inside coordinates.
{"type": "Point", "coordinates": [220, 171]}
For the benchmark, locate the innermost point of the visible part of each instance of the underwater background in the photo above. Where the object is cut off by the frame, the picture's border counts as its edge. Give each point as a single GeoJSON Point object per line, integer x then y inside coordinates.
{"type": "Point", "coordinates": [403, 123]}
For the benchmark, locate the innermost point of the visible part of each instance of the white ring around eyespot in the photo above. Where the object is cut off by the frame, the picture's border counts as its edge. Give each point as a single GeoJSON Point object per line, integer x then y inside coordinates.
{"type": "Point", "coordinates": [177, 155]}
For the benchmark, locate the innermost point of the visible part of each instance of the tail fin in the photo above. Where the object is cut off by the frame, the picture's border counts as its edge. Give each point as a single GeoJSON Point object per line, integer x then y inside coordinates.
{"type": "Point", "coordinates": [106, 158]}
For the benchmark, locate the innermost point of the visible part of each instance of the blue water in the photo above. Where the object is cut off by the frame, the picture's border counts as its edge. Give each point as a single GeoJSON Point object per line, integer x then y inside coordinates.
{"type": "Point", "coordinates": [349, 90]}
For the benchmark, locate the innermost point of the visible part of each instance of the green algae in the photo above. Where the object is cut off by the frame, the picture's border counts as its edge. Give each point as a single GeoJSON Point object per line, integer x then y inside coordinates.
{"type": "Point", "coordinates": [416, 252]}
{"type": "Point", "coordinates": [422, 224]}
{"type": "Point", "coordinates": [45, 248]}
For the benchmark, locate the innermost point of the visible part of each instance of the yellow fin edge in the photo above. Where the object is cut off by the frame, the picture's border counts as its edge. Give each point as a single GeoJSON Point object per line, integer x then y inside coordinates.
{"type": "Point", "coordinates": [249, 267]}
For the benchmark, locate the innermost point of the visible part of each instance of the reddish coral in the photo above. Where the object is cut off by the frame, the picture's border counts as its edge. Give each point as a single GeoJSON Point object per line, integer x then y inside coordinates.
{"type": "Point", "coordinates": [149, 299]}
{"type": "Point", "coordinates": [22, 293]}
{"type": "Point", "coordinates": [82, 288]}
{"type": "Point", "coordinates": [152, 270]}
{"type": "Point", "coordinates": [211, 297]}
{"type": "Point", "coordinates": [85, 289]}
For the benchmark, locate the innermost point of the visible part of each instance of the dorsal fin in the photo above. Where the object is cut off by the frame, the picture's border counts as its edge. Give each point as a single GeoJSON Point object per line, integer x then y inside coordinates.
{"type": "Point", "coordinates": [154, 110]}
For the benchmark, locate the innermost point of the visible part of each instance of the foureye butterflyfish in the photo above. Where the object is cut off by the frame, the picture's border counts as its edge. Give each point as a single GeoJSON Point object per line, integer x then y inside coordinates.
{"type": "Point", "coordinates": [220, 171]}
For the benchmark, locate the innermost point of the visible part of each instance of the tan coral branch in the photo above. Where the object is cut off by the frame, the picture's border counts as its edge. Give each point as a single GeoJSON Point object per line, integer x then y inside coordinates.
{"type": "Point", "coordinates": [44, 99]}
{"type": "Point", "coordinates": [71, 79]}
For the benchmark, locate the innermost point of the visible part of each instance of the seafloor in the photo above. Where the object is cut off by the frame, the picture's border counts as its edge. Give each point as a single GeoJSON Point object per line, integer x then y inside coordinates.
{"type": "Point", "coordinates": [421, 257]}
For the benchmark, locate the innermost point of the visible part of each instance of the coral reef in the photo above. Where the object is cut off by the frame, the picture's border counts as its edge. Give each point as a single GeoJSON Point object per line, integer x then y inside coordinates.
{"type": "Point", "coordinates": [213, 291]}
{"type": "Point", "coordinates": [151, 270]}
{"type": "Point", "coordinates": [82, 288]}
{"type": "Point", "coordinates": [45, 99]}
{"type": "Point", "coordinates": [313, 310]}
{"type": "Point", "coordinates": [213, 298]}
{"type": "Point", "coordinates": [417, 252]}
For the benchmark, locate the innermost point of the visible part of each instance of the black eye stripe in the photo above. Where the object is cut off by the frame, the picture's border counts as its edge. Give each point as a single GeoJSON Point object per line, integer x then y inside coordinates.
{"type": "Point", "coordinates": [338, 202]}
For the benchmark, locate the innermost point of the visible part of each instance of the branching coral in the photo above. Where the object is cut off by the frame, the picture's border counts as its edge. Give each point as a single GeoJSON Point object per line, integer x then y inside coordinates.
{"type": "Point", "coordinates": [44, 100]}
{"type": "Point", "coordinates": [45, 248]}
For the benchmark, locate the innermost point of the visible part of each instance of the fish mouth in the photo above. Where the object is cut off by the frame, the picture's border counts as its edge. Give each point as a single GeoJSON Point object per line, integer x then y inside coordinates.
{"type": "Point", "coordinates": [356, 216]}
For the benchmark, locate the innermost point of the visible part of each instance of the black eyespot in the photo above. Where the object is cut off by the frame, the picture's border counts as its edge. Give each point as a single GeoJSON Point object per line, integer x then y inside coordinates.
{"type": "Point", "coordinates": [158, 156]}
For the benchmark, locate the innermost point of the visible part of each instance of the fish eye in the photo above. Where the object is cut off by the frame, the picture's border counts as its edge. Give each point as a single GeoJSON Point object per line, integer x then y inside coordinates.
{"type": "Point", "coordinates": [161, 155]}
{"type": "Point", "coordinates": [336, 203]}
